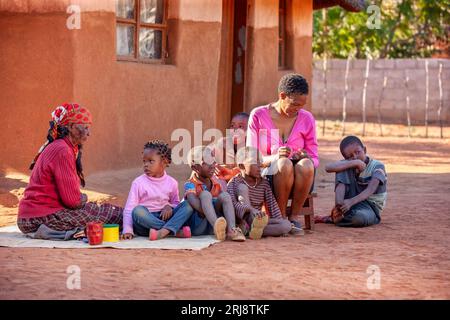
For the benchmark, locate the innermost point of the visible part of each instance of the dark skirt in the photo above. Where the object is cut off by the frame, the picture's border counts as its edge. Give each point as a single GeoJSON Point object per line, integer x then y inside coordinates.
{"type": "Point", "coordinates": [68, 219]}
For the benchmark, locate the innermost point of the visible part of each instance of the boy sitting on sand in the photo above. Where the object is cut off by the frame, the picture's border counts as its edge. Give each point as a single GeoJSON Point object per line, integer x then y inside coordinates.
{"type": "Point", "coordinates": [360, 186]}
{"type": "Point", "coordinates": [213, 207]}
{"type": "Point", "coordinates": [253, 200]}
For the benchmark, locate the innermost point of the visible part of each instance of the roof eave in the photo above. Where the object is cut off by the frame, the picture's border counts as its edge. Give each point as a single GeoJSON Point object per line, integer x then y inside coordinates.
{"type": "Point", "coordinates": [349, 5]}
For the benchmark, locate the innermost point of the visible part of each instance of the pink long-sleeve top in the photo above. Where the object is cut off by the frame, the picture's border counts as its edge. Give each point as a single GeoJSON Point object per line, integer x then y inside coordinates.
{"type": "Point", "coordinates": [263, 134]}
{"type": "Point", "coordinates": [152, 193]}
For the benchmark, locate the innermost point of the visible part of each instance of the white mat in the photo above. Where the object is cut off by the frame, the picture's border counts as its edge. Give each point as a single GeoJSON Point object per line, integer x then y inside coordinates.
{"type": "Point", "coordinates": [13, 238]}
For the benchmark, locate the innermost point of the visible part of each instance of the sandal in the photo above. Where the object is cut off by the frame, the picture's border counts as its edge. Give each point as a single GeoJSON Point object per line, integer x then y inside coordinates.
{"type": "Point", "coordinates": [220, 228]}
{"type": "Point", "coordinates": [184, 232]}
{"type": "Point", "coordinates": [153, 235]}
{"type": "Point", "coordinates": [296, 231]}
{"type": "Point", "coordinates": [296, 223]}
{"type": "Point", "coordinates": [258, 226]}
{"type": "Point", "coordinates": [236, 234]}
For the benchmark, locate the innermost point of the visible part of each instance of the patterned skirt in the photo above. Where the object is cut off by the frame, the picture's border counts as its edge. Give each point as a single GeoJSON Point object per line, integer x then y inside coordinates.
{"type": "Point", "coordinates": [68, 219]}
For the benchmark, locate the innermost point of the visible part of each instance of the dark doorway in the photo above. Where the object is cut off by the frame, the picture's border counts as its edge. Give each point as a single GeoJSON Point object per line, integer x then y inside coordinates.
{"type": "Point", "coordinates": [239, 53]}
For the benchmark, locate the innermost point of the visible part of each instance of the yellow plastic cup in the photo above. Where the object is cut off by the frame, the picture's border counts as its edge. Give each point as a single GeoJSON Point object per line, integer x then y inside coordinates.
{"type": "Point", "coordinates": [110, 233]}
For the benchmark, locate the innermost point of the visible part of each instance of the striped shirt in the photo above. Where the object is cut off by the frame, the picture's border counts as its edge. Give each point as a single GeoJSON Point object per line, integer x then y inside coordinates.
{"type": "Point", "coordinates": [260, 195]}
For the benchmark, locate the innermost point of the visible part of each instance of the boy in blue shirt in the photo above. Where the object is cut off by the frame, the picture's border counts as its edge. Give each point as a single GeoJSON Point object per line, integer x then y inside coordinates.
{"type": "Point", "coordinates": [213, 206]}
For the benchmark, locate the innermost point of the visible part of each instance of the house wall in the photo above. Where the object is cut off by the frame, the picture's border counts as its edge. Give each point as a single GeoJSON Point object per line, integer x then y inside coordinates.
{"type": "Point", "coordinates": [43, 64]}
{"type": "Point", "coordinates": [263, 73]}
{"type": "Point", "coordinates": [36, 74]}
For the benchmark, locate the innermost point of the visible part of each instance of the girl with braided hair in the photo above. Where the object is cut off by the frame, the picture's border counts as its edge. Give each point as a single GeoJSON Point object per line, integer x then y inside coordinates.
{"type": "Point", "coordinates": [53, 197]}
{"type": "Point", "coordinates": [153, 208]}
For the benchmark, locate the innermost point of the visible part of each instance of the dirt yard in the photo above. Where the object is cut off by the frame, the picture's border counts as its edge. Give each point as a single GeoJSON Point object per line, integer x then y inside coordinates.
{"type": "Point", "coordinates": [410, 246]}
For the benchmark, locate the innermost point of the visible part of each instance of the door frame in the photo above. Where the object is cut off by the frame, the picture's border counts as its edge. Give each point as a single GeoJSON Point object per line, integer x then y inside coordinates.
{"type": "Point", "coordinates": [226, 69]}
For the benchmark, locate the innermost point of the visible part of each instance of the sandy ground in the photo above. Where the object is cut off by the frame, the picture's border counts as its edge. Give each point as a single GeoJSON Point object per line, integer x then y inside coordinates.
{"type": "Point", "coordinates": [410, 247]}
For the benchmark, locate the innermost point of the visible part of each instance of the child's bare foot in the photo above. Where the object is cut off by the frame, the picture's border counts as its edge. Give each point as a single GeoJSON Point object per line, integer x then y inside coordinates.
{"type": "Point", "coordinates": [257, 228]}
{"type": "Point", "coordinates": [158, 234]}
{"type": "Point", "coordinates": [220, 228]}
{"type": "Point", "coordinates": [336, 214]}
{"type": "Point", "coordinates": [236, 234]}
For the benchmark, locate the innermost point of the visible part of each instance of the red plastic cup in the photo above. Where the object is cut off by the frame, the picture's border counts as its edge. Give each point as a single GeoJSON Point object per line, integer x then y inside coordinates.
{"type": "Point", "coordinates": [95, 233]}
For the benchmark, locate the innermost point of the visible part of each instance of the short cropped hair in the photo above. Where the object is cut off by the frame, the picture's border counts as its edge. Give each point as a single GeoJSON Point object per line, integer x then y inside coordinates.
{"type": "Point", "coordinates": [241, 115]}
{"type": "Point", "coordinates": [348, 141]}
{"type": "Point", "coordinates": [293, 83]}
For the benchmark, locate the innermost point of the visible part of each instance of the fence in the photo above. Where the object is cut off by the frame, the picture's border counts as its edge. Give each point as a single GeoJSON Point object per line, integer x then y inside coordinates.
{"type": "Point", "coordinates": [401, 91]}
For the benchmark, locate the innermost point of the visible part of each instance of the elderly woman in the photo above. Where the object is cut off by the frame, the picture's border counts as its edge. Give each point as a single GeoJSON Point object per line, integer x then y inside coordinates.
{"type": "Point", "coordinates": [285, 134]}
{"type": "Point", "coordinates": [53, 197]}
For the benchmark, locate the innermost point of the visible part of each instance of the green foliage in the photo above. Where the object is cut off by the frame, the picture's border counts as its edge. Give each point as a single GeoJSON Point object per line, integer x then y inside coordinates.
{"type": "Point", "coordinates": [408, 29]}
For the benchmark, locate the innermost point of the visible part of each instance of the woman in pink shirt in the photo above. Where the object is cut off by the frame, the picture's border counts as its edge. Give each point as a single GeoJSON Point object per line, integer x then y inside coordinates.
{"type": "Point", "coordinates": [285, 134]}
{"type": "Point", "coordinates": [153, 207]}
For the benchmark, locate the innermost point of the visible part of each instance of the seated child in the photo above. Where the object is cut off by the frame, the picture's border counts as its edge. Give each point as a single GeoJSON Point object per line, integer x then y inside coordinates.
{"type": "Point", "coordinates": [153, 207]}
{"type": "Point", "coordinates": [251, 193]}
{"type": "Point", "coordinates": [227, 147]}
{"type": "Point", "coordinates": [360, 186]}
{"type": "Point", "coordinates": [205, 195]}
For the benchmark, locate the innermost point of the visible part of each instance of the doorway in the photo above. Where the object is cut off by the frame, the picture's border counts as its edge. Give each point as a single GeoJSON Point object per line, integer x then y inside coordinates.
{"type": "Point", "coordinates": [240, 10]}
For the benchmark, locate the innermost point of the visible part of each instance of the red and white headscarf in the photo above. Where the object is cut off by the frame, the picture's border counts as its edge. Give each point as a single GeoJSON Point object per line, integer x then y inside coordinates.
{"type": "Point", "coordinates": [69, 113]}
{"type": "Point", "coordinates": [62, 116]}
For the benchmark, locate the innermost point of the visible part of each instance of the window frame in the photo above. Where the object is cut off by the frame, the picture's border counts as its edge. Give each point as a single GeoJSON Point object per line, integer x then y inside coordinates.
{"type": "Point", "coordinates": [136, 22]}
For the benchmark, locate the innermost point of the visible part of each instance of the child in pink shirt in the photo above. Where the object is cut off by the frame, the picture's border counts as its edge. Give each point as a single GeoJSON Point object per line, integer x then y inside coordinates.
{"type": "Point", "coordinates": [153, 207]}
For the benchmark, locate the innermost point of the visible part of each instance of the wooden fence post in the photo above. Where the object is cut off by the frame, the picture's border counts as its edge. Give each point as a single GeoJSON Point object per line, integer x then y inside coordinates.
{"type": "Point", "coordinates": [366, 78]}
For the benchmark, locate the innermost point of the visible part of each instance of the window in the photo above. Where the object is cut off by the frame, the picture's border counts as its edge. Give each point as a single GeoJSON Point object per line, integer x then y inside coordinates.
{"type": "Point", "coordinates": [282, 34]}
{"type": "Point", "coordinates": [141, 30]}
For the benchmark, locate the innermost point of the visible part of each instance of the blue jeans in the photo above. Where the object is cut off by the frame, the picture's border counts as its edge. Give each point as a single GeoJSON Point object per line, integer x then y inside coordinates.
{"type": "Point", "coordinates": [144, 220]}
{"type": "Point", "coordinates": [199, 225]}
{"type": "Point", "coordinates": [360, 215]}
